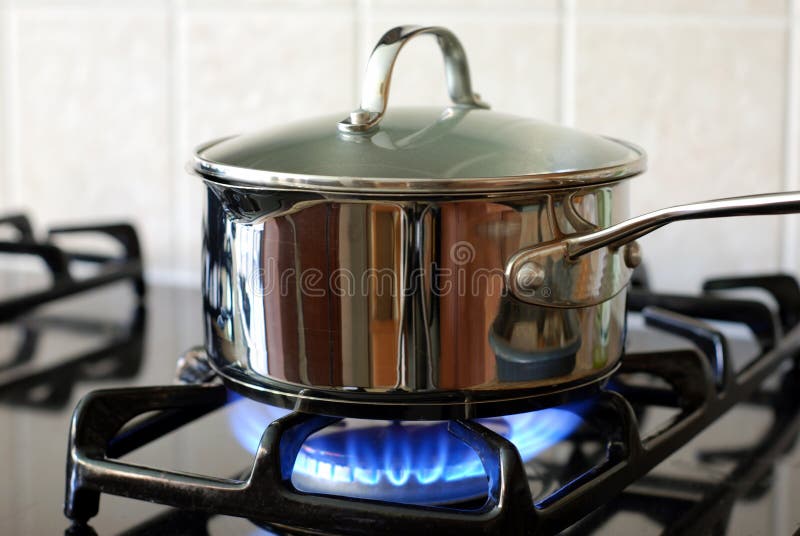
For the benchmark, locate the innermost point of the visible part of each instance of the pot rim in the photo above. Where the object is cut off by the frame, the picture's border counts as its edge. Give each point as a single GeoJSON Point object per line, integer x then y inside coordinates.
{"type": "Point", "coordinates": [376, 186]}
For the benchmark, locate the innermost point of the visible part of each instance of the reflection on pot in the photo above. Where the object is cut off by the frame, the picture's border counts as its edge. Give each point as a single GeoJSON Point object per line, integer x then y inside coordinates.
{"type": "Point", "coordinates": [339, 297]}
{"type": "Point", "coordinates": [534, 343]}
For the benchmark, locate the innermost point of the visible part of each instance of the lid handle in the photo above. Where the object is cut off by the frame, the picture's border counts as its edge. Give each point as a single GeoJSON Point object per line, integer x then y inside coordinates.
{"type": "Point", "coordinates": [375, 89]}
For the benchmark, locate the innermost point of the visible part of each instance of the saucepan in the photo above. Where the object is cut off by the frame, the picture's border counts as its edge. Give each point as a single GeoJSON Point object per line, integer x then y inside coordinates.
{"type": "Point", "coordinates": [423, 263]}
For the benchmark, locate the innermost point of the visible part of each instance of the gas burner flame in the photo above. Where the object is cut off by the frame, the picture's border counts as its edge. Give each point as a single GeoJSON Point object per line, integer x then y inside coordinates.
{"type": "Point", "coordinates": [406, 462]}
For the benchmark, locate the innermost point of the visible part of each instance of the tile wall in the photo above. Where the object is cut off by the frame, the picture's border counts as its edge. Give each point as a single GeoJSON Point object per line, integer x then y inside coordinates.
{"type": "Point", "coordinates": [101, 102]}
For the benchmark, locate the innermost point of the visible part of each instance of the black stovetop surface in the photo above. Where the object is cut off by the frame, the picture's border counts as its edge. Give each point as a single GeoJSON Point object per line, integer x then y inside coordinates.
{"type": "Point", "coordinates": [51, 358]}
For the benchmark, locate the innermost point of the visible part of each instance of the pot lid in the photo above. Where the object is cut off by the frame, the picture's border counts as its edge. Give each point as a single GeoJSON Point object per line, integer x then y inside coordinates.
{"type": "Point", "coordinates": [464, 148]}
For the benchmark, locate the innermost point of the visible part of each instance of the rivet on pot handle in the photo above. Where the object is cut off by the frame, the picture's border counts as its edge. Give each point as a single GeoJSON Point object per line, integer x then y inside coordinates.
{"type": "Point", "coordinates": [590, 268]}
{"type": "Point", "coordinates": [378, 77]}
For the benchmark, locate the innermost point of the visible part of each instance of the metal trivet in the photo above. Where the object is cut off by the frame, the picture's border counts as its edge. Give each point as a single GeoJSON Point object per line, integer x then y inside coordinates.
{"type": "Point", "coordinates": [64, 283]}
{"type": "Point", "coordinates": [702, 386]}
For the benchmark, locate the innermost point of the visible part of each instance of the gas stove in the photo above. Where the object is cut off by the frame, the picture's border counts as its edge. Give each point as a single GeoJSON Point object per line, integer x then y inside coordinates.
{"type": "Point", "coordinates": [695, 433]}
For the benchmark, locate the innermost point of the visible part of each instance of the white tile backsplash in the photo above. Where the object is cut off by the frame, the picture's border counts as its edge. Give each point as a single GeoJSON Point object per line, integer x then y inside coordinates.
{"type": "Point", "coordinates": [706, 101]}
{"type": "Point", "coordinates": [101, 103]}
{"type": "Point", "coordinates": [91, 127]}
{"type": "Point", "coordinates": [255, 68]}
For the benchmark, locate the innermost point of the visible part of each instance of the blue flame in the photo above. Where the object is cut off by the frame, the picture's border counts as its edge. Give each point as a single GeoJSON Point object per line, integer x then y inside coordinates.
{"type": "Point", "coordinates": [417, 462]}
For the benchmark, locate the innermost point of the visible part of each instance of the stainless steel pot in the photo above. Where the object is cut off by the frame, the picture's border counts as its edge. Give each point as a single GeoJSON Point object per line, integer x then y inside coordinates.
{"type": "Point", "coordinates": [423, 263]}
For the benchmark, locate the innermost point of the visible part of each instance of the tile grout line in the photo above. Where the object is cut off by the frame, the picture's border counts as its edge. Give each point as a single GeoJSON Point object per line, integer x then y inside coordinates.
{"type": "Point", "coordinates": [567, 74]}
{"type": "Point", "coordinates": [361, 15]}
{"type": "Point", "coordinates": [3, 107]}
{"type": "Point", "coordinates": [175, 117]}
{"type": "Point", "coordinates": [363, 47]}
{"type": "Point", "coordinates": [10, 94]}
{"type": "Point", "coordinates": [169, 84]}
{"type": "Point", "coordinates": [667, 19]}
{"type": "Point", "coordinates": [179, 116]}
{"type": "Point", "coordinates": [791, 140]}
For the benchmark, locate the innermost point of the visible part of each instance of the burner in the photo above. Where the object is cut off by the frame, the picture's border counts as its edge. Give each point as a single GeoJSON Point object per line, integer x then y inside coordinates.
{"type": "Point", "coordinates": [404, 462]}
{"type": "Point", "coordinates": [58, 261]}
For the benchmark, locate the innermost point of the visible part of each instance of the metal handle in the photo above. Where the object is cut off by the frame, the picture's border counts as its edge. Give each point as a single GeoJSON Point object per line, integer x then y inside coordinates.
{"type": "Point", "coordinates": [555, 273]}
{"type": "Point", "coordinates": [629, 230]}
{"type": "Point", "coordinates": [375, 88]}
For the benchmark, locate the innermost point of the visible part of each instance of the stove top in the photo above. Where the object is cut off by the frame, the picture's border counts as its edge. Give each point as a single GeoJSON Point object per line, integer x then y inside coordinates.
{"type": "Point", "coordinates": [737, 475]}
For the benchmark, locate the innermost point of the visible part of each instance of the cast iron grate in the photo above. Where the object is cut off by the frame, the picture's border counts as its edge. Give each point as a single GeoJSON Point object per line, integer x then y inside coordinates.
{"type": "Point", "coordinates": [58, 261]}
{"type": "Point", "coordinates": [702, 386]}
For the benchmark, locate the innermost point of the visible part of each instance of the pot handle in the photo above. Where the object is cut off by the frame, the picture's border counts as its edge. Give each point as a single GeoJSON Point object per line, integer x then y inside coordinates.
{"type": "Point", "coordinates": [590, 268]}
{"type": "Point", "coordinates": [378, 76]}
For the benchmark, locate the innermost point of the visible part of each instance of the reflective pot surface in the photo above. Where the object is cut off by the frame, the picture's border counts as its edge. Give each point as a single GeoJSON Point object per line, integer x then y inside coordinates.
{"type": "Point", "coordinates": [425, 263]}
{"type": "Point", "coordinates": [384, 307]}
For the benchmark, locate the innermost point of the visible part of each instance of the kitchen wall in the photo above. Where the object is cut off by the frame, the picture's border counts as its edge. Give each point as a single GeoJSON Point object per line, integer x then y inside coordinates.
{"type": "Point", "coordinates": [101, 102]}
